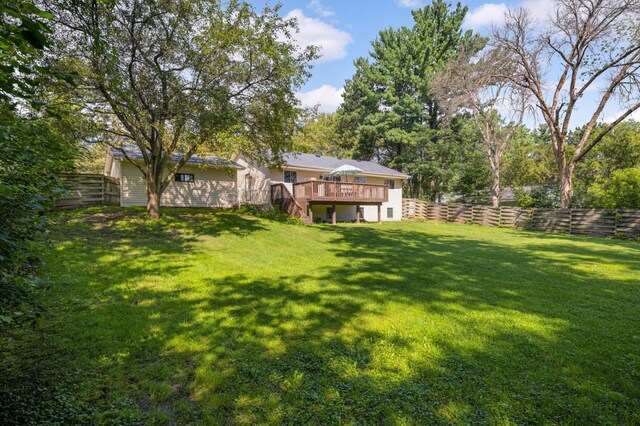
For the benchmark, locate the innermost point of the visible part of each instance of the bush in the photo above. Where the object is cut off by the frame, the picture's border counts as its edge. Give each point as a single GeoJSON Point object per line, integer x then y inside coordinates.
{"type": "Point", "coordinates": [31, 156]}
{"type": "Point", "coordinates": [545, 197]}
{"type": "Point", "coordinates": [621, 191]}
{"type": "Point", "coordinates": [270, 214]}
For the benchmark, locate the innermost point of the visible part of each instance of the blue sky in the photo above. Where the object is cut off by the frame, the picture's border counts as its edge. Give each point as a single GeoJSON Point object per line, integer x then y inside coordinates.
{"type": "Point", "coordinates": [344, 30]}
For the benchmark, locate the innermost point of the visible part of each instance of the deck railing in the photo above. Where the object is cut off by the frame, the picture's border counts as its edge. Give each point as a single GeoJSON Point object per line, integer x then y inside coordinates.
{"type": "Point", "coordinates": [281, 195]}
{"type": "Point", "coordinates": [318, 190]}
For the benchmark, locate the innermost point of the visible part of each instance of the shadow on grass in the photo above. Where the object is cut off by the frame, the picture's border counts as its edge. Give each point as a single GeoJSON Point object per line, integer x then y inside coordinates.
{"type": "Point", "coordinates": [405, 325]}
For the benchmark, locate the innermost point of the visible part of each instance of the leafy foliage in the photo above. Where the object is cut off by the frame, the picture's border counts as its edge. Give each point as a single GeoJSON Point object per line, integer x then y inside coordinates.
{"type": "Point", "coordinates": [320, 135]}
{"type": "Point", "coordinates": [470, 173]}
{"type": "Point", "coordinates": [545, 197]}
{"type": "Point", "coordinates": [529, 159]}
{"type": "Point", "coordinates": [24, 32]}
{"type": "Point", "coordinates": [621, 191]}
{"type": "Point", "coordinates": [31, 156]}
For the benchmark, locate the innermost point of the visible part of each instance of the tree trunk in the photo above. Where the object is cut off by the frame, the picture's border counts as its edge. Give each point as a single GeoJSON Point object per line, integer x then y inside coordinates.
{"type": "Point", "coordinates": [566, 186]}
{"type": "Point", "coordinates": [153, 196]}
{"type": "Point", "coordinates": [495, 189]}
{"type": "Point", "coordinates": [495, 184]}
{"type": "Point", "coordinates": [432, 189]}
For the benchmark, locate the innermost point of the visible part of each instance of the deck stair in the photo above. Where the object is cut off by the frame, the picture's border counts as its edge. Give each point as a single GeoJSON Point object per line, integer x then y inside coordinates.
{"type": "Point", "coordinates": [280, 196]}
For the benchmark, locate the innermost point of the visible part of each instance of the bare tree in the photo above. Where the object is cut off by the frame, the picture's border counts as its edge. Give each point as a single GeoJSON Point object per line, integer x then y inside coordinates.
{"type": "Point", "coordinates": [476, 84]}
{"type": "Point", "coordinates": [587, 45]}
{"type": "Point", "coordinates": [182, 75]}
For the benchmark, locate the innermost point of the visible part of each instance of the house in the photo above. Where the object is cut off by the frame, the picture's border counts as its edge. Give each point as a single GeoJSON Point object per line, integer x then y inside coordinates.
{"type": "Point", "coordinates": [375, 194]}
{"type": "Point", "coordinates": [201, 182]}
{"type": "Point", "coordinates": [302, 186]}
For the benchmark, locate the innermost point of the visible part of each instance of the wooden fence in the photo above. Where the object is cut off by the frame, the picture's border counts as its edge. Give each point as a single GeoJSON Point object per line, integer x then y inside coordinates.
{"type": "Point", "coordinates": [591, 222]}
{"type": "Point", "coordinates": [84, 190]}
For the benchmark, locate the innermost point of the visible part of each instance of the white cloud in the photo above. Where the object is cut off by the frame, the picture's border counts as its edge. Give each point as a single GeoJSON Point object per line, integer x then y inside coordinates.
{"type": "Point", "coordinates": [539, 9]}
{"type": "Point", "coordinates": [332, 41]}
{"type": "Point", "coordinates": [319, 9]}
{"type": "Point", "coordinates": [486, 15]}
{"type": "Point", "coordinates": [410, 3]}
{"type": "Point", "coordinates": [493, 13]}
{"type": "Point", "coordinates": [327, 97]}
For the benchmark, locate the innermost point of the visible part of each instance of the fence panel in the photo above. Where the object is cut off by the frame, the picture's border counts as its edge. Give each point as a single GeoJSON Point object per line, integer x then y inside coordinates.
{"type": "Point", "coordinates": [84, 190]}
{"type": "Point", "coordinates": [460, 213]}
{"type": "Point", "coordinates": [550, 220]}
{"type": "Point", "coordinates": [589, 222]}
{"type": "Point", "coordinates": [628, 223]}
{"type": "Point", "coordinates": [592, 222]}
{"type": "Point", "coordinates": [514, 217]}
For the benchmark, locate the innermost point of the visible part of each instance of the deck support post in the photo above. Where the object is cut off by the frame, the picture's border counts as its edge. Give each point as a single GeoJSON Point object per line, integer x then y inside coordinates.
{"type": "Point", "coordinates": [333, 214]}
{"type": "Point", "coordinates": [379, 213]}
{"type": "Point", "coordinates": [309, 213]}
{"type": "Point", "coordinates": [357, 213]}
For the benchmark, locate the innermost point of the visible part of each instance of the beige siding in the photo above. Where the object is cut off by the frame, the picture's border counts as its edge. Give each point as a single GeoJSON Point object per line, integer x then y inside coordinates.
{"type": "Point", "coordinates": [212, 188]}
{"type": "Point", "coordinates": [116, 170]}
{"type": "Point", "coordinates": [277, 176]}
{"type": "Point", "coordinates": [253, 184]}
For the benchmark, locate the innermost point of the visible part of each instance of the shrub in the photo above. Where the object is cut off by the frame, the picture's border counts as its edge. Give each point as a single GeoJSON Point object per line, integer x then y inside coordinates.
{"type": "Point", "coordinates": [545, 197]}
{"type": "Point", "coordinates": [270, 214]}
{"type": "Point", "coordinates": [621, 191]}
{"type": "Point", "coordinates": [31, 156]}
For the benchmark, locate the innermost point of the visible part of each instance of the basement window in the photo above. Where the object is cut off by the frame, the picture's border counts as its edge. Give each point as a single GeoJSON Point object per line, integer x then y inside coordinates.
{"type": "Point", "coordinates": [389, 212]}
{"type": "Point", "coordinates": [185, 177]}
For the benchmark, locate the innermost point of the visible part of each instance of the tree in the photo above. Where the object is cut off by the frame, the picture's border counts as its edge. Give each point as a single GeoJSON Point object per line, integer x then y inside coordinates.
{"type": "Point", "coordinates": [471, 172]}
{"type": "Point", "coordinates": [475, 83]}
{"type": "Point", "coordinates": [528, 159]}
{"type": "Point", "coordinates": [389, 108]}
{"type": "Point", "coordinates": [588, 43]}
{"type": "Point", "coordinates": [182, 76]}
{"type": "Point", "coordinates": [319, 135]}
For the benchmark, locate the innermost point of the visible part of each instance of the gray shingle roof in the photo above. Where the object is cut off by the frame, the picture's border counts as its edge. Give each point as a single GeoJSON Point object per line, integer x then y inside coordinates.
{"type": "Point", "coordinates": [135, 154]}
{"type": "Point", "coordinates": [297, 159]}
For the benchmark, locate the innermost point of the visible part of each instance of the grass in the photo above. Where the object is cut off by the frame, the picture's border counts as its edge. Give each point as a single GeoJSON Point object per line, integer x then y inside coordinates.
{"type": "Point", "coordinates": [218, 318]}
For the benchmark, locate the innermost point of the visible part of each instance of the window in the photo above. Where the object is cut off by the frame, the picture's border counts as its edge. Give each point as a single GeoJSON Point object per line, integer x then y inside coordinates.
{"type": "Point", "coordinates": [390, 183]}
{"type": "Point", "coordinates": [290, 177]}
{"type": "Point", "coordinates": [185, 177]}
{"type": "Point", "coordinates": [359, 179]}
{"type": "Point", "coordinates": [361, 212]}
{"type": "Point", "coordinates": [331, 178]}
{"type": "Point", "coordinates": [389, 212]}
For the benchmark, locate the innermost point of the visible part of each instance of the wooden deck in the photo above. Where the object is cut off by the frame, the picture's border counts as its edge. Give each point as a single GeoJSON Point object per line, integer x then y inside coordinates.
{"type": "Point", "coordinates": [327, 192]}
{"type": "Point", "coordinates": [340, 192]}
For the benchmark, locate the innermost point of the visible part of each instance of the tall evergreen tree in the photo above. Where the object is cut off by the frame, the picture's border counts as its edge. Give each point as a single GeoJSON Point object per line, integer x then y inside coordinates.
{"type": "Point", "coordinates": [389, 108]}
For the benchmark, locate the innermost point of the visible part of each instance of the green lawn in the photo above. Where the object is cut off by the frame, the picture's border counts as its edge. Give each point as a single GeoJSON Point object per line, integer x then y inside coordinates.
{"type": "Point", "coordinates": [217, 318]}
